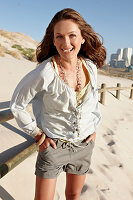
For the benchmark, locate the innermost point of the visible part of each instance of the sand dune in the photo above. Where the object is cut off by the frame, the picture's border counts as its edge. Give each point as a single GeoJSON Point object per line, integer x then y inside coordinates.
{"type": "Point", "coordinates": [17, 45]}
{"type": "Point", "coordinates": [111, 174]}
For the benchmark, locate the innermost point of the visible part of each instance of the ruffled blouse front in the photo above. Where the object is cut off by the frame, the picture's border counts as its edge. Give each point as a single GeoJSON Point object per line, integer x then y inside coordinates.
{"type": "Point", "coordinates": [79, 94]}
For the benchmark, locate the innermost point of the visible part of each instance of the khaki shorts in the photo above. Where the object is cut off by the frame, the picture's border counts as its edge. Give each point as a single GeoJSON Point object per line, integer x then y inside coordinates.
{"type": "Point", "coordinates": [73, 158]}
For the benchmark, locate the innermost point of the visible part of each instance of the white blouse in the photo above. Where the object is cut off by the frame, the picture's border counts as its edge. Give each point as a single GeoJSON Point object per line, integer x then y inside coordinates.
{"type": "Point", "coordinates": [55, 104]}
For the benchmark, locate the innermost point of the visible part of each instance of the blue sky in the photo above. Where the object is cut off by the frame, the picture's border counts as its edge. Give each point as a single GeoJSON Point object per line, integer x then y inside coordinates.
{"type": "Point", "coordinates": [112, 19]}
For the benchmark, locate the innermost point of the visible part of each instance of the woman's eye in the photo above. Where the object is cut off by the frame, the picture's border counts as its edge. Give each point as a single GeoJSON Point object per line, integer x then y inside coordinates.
{"type": "Point", "coordinates": [59, 36]}
{"type": "Point", "coordinates": [72, 35]}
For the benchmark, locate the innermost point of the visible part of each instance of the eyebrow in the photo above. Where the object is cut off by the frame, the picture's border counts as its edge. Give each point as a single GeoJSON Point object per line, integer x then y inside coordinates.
{"type": "Point", "coordinates": [68, 33]}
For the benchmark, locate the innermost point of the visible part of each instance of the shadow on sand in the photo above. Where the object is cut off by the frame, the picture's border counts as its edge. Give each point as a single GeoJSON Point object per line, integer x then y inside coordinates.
{"type": "Point", "coordinates": [9, 153]}
{"type": "Point", "coordinates": [4, 195]}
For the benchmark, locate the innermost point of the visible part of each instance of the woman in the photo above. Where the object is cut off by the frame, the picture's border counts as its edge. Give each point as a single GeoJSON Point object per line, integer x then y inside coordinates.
{"type": "Point", "coordinates": [63, 90]}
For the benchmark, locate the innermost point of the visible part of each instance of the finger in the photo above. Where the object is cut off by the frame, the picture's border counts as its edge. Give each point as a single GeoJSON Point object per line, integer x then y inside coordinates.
{"type": "Point", "coordinates": [91, 137]}
{"type": "Point", "coordinates": [47, 142]}
{"type": "Point", "coordinates": [52, 143]}
{"type": "Point", "coordinates": [88, 140]}
{"type": "Point", "coordinates": [43, 147]}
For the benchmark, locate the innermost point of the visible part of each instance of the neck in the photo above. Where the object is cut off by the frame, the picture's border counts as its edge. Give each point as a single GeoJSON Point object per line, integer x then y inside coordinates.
{"type": "Point", "coordinates": [69, 64]}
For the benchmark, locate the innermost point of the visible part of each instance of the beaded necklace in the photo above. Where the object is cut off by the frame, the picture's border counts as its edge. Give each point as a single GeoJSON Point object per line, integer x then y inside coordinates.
{"type": "Point", "coordinates": [78, 110]}
{"type": "Point", "coordinates": [78, 74]}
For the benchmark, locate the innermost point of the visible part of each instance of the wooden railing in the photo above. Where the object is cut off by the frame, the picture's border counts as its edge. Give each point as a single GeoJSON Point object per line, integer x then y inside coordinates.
{"type": "Point", "coordinates": [7, 115]}
{"type": "Point", "coordinates": [17, 159]}
{"type": "Point", "coordinates": [104, 89]}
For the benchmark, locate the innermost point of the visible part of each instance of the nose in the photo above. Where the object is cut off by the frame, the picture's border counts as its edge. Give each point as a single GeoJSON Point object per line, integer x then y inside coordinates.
{"type": "Point", "coordinates": [66, 42]}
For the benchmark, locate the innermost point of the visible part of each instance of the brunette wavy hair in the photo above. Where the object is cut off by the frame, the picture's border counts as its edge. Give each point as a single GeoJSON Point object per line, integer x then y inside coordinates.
{"type": "Point", "coordinates": [92, 48]}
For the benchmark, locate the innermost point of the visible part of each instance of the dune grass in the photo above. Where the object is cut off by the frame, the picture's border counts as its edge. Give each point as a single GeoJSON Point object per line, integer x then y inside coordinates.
{"type": "Point", "coordinates": [28, 53]}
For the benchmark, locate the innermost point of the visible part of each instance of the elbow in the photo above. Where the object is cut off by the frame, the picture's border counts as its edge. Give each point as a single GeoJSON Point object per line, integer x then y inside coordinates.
{"type": "Point", "coordinates": [12, 108]}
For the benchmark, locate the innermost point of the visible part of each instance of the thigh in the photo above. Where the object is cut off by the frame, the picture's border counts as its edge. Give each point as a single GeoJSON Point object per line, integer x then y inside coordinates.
{"type": "Point", "coordinates": [74, 183]}
{"type": "Point", "coordinates": [45, 188]}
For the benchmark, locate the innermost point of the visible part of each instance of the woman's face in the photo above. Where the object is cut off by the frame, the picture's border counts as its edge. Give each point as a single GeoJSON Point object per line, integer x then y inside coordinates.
{"type": "Point", "coordinates": [67, 39]}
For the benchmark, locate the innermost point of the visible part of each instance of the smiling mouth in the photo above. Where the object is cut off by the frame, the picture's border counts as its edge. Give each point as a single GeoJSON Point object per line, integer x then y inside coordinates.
{"type": "Point", "coordinates": [67, 50]}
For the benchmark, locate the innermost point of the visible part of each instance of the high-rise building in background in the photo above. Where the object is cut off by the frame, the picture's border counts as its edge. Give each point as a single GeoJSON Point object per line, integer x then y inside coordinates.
{"type": "Point", "coordinates": [132, 60]}
{"type": "Point", "coordinates": [122, 58]}
{"type": "Point", "coordinates": [114, 56]}
{"type": "Point", "coordinates": [127, 53]}
{"type": "Point", "coordinates": [120, 54]}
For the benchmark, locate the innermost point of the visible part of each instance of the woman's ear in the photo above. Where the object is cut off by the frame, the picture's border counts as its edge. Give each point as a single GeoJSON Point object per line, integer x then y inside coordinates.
{"type": "Point", "coordinates": [83, 41]}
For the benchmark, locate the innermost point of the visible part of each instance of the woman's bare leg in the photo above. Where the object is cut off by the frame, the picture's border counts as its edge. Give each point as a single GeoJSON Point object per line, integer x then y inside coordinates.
{"type": "Point", "coordinates": [74, 185]}
{"type": "Point", "coordinates": [45, 188]}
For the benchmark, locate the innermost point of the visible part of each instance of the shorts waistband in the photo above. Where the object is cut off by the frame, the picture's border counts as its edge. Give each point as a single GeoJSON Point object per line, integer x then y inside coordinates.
{"type": "Point", "coordinates": [70, 144]}
{"type": "Point", "coordinates": [78, 141]}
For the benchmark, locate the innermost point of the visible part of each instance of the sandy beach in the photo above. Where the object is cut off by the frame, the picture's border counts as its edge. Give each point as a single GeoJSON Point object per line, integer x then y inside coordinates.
{"type": "Point", "coordinates": [111, 172]}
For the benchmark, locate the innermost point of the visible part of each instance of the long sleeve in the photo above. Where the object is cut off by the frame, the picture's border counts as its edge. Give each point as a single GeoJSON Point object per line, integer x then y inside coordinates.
{"type": "Point", "coordinates": [96, 113]}
{"type": "Point", "coordinates": [26, 90]}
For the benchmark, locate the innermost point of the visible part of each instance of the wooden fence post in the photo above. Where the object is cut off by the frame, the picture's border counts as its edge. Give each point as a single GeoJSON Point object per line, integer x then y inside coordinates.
{"type": "Point", "coordinates": [131, 93]}
{"type": "Point", "coordinates": [102, 98]}
{"type": "Point", "coordinates": [118, 91]}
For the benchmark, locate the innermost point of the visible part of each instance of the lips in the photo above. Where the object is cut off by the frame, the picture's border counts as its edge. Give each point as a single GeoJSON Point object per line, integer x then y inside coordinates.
{"type": "Point", "coordinates": [67, 50]}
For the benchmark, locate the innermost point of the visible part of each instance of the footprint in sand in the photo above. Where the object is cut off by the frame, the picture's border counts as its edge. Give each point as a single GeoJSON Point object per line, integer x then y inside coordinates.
{"type": "Point", "coordinates": [110, 132]}
{"type": "Point", "coordinates": [112, 159]}
{"type": "Point", "coordinates": [85, 188]}
{"type": "Point", "coordinates": [109, 139]}
{"type": "Point", "coordinates": [110, 144]}
{"type": "Point", "coordinates": [102, 170]}
{"type": "Point", "coordinates": [101, 196]}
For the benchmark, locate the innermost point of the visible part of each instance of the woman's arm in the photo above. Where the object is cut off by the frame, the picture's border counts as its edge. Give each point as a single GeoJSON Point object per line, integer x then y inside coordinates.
{"type": "Point", "coordinates": [26, 90]}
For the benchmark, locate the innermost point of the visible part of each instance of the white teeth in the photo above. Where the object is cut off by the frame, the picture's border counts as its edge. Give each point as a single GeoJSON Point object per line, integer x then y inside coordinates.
{"type": "Point", "coordinates": [68, 50]}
